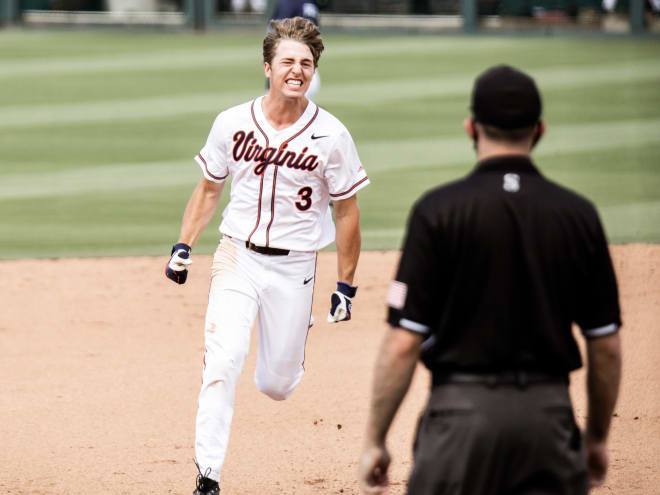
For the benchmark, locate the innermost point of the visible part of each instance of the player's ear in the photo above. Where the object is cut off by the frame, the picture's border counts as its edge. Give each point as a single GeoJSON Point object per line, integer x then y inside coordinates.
{"type": "Point", "coordinates": [267, 69]}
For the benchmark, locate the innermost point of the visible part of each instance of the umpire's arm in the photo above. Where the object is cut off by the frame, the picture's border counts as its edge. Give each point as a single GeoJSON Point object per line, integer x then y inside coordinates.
{"type": "Point", "coordinates": [199, 210]}
{"type": "Point", "coordinates": [348, 239]}
{"type": "Point", "coordinates": [395, 367]}
{"type": "Point", "coordinates": [603, 377]}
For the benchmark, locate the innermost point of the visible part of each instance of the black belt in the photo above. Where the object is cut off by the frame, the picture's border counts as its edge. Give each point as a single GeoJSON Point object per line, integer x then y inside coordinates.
{"type": "Point", "coordinates": [266, 250]}
{"type": "Point", "coordinates": [520, 378]}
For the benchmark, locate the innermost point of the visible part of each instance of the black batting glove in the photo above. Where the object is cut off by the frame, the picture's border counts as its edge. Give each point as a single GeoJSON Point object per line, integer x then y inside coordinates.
{"type": "Point", "coordinates": [340, 302]}
{"type": "Point", "coordinates": [177, 268]}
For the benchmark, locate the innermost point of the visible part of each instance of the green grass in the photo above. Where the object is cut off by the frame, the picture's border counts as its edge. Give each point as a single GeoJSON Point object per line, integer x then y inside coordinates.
{"type": "Point", "coordinates": [98, 129]}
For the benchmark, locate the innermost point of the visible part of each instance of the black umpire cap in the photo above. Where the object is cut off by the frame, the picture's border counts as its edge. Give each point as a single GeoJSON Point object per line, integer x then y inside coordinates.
{"type": "Point", "coordinates": [506, 98]}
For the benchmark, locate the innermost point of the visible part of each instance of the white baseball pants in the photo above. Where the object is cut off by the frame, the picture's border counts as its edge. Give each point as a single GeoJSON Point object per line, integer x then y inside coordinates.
{"type": "Point", "coordinates": [244, 285]}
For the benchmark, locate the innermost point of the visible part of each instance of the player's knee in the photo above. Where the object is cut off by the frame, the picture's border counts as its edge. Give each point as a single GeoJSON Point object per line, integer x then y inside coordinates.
{"type": "Point", "coordinates": [219, 365]}
{"type": "Point", "coordinates": [275, 392]}
{"type": "Point", "coordinates": [274, 386]}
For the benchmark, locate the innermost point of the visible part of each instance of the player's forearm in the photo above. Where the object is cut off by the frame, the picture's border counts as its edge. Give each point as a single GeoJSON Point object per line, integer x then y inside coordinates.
{"type": "Point", "coordinates": [395, 367]}
{"type": "Point", "coordinates": [348, 240]}
{"type": "Point", "coordinates": [349, 243]}
{"type": "Point", "coordinates": [199, 211]}
{"type": "Point", "coordinates": [603, 378]}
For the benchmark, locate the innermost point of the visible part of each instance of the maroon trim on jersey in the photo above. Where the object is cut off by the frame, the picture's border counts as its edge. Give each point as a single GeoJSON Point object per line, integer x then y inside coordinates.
{"type": "Point", "coordinates": [254, 119]}
{"type": "Point", "coordinates": [261, 184]}
{"type": "Point", "coordinates": [261, 188]}
{"type": "Point", "coordinates": [303, 129]}
{"type": "Point", "coordinates": [272, 200]}
{"type": "Point", "coordinates": [272, 207]}
{"type": "Point", "coordinates": [349, 190]}
{"type": "Point", "coordinates": [207, 169]}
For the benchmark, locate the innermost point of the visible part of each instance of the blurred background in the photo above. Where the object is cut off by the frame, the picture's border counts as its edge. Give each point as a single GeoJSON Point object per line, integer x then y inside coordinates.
{"type": "Point", "coordinates": [104, 103]}
{"type": "Point", "coordinates": [600, 15]}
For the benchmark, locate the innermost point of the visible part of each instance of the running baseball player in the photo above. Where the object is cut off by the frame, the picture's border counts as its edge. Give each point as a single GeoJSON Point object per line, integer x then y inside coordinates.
{"type": "Point", "coordinates": [287, 158]}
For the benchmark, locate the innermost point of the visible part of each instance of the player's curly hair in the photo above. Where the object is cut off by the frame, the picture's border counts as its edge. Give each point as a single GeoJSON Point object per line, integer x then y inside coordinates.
{"type": "Point", "coordinates": [297, 29]}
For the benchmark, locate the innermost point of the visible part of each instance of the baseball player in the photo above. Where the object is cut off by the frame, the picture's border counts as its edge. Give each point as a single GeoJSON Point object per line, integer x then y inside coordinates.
{"type": "Point", "coordinates": [287, 158]}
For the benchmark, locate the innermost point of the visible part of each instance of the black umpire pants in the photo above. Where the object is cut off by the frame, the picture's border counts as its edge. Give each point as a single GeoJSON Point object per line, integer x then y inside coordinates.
{"type": "Point", "coordinates": [477, 439]}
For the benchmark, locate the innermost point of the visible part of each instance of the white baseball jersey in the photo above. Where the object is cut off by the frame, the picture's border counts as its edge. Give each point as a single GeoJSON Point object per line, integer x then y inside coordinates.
{"type": "Point", "coordinates": [282, 181]}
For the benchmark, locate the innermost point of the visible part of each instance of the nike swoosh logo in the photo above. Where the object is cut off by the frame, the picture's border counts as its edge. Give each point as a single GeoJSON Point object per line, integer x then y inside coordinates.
{"type": "Point", "coordinates": [306, 281]}
{"type": "Point", "coordinates": [318, 137]}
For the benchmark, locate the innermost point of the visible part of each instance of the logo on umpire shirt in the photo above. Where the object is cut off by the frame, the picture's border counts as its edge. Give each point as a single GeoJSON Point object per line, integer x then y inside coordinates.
{"type": "Point", "coordinates": [511, 183]}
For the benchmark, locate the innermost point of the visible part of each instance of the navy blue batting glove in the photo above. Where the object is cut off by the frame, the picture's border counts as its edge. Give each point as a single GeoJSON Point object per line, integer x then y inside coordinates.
{"type": "Point", "coordinates": [340, 302]}
{"type": "Point", "coordinates": [177, 268]}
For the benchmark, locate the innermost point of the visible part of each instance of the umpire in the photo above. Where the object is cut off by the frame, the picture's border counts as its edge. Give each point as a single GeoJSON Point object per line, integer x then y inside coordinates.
{"type": "Point", "coordinates": [495, 269]}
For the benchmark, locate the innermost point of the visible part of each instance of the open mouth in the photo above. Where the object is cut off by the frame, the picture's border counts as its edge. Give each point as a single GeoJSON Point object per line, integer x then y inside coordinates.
{"type": "Point", "coordinates": [294, 82]}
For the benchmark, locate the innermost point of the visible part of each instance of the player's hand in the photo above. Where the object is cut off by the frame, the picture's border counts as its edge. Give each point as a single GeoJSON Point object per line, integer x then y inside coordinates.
{"type": "Point", "coordinates": [597, 460]}
{"type": "Point", "coordinates": [374, 463]}
{"type": "Point", "coordinates": [177, 268]}
{"type": "Point", "coordinates": [340, 302]}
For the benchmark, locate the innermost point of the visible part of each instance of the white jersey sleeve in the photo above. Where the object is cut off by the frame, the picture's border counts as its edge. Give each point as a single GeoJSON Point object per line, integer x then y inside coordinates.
{"type": "Point", "coordinates": [213, 156]}
{"type": "Point", "coordinates": [344, 173]}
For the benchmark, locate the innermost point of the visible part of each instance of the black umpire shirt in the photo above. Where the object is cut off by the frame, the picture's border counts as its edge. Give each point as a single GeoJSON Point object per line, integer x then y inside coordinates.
{"type": "Point", "coordinates": [497, 266]}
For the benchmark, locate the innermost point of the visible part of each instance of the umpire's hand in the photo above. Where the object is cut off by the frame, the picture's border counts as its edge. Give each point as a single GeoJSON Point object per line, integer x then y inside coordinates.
{"type": "Point", "coordinates": [340, 302]}
{"type": "Point", "coordinates": [597, 460]}
{"type": "Point", "coordinates": [374, 463]}
{"type": "Point", "coordinates": [177, 268]}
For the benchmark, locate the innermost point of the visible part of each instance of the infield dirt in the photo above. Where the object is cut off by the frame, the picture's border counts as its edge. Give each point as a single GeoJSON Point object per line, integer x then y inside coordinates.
{"type": "Point", "coordinates": [101, 366]}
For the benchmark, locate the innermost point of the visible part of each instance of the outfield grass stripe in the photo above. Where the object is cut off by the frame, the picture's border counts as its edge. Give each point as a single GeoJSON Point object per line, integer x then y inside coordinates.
{"type": "Point", "coordinates": [127, 62]}
{"type": "Point", "coordinates": [95, 178]}
{"type": "Point", "coordinates": [378, 157]}
{"type": "Point", "coordinates": [632, 221]}
{"type": "Point", "coordinates": [364, 93]}
{"type": "Point", "coordinates": [586, 75]}
{"type": "Point", "coordinates": [460, 85]}
{"type": "Point", "coordinates": [605, 135]}
{"type": "Point", "coordinates": [61, 114]}
{"type": "Point", "coordinates": [383, 233]}
{"type": "Point", "coordinates": [390, 155]}
{"type": "Point", "coordinates": [233, 56]}
{"type": "Point", "coordinates": [629, 221]}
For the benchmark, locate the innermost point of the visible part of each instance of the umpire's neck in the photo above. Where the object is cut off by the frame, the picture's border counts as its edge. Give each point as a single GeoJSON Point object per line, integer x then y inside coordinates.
{"type": "Point", "coordinates": [487, 147]}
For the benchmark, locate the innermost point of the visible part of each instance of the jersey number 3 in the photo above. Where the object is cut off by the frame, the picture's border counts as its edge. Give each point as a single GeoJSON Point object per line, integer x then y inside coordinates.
{"type": "Point", "coordinates": [305, 194]}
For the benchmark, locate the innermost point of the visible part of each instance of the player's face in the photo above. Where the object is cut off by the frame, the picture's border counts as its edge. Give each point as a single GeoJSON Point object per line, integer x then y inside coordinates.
{"type": "Point", "coordinates": [291, 70]}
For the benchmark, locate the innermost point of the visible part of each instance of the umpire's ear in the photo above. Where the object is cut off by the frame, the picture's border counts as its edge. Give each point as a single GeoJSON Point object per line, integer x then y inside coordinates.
{"type": "Point", "coordinates": [471, 130]}
{"type": "Point", "coordinates": [468, 125]}
{"type": "Point", "coordinates": [540, 131]}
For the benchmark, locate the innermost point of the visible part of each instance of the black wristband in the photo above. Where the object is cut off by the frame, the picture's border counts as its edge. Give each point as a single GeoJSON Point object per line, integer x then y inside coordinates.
{"type": "Point", "coordinates": [347, 290]}
{"type": "Point", "coordinates": [180, 245]}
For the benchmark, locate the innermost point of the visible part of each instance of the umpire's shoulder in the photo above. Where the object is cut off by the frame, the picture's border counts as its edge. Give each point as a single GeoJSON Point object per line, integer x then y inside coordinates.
{"type": "Point", "coordinates": [570, 199]}
{"type": "Point", "coordinates": [443, 194]}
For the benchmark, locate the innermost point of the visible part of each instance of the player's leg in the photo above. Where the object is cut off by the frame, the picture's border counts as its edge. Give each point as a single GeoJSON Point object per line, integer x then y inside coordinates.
{"type": "Point", "coordinates": [229, 320]}
{"type": "Point", "coordinates": [284, 321]}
